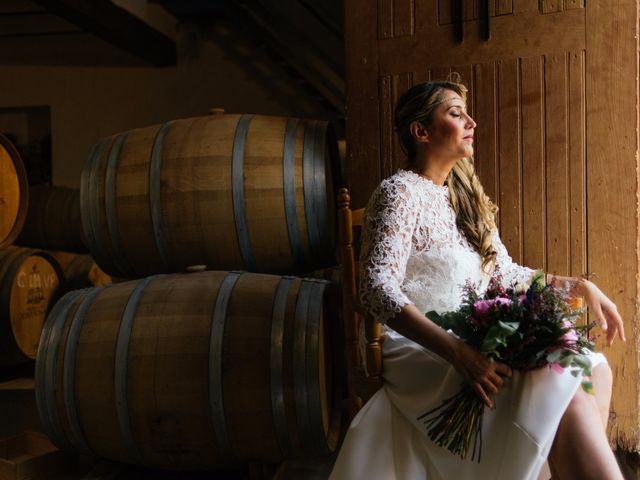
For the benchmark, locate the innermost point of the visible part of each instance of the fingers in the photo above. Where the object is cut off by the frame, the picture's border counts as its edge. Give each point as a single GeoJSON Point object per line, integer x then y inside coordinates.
{"type": "Point", "coordinates": [483, 395]}
{"type": "Point", "coordinates": [616, 326]}
{"type": "Point", "coordinates": [605, 313]}
{"type": "Point", "coordinates": [491, 382]}
{"type": "Point", "coordinates": [503, 369]}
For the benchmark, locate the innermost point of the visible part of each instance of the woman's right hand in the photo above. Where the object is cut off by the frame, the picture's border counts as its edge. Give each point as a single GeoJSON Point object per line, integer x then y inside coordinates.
{"type": "Point", "coordinates": [485, 375]}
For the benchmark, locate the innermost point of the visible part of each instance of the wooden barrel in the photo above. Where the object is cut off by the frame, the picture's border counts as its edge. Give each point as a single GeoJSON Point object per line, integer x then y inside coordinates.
{"type": "Point", "coordinates": [245, 192]}
{"type": "Point", "coordinates": [14, 193]}
{"type": "Point", "coordinates": [53, 220]}
{"type": "Point", "coordinates": [80, 270]}
{"type": "Point", "coordinates": [29, 284]}
{"type": "Point", "coordinates": [191, 371]}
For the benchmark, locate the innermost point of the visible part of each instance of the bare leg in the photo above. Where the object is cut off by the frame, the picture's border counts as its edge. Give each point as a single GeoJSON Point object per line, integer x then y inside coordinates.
{"type": "Point", "coordinates": [581, 450]}
{"type": "Point", "coordinates": [602, 382]}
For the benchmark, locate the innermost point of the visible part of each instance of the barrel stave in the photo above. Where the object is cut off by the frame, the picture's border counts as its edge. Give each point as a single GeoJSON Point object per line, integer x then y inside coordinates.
{"type": "Point", "coordinates": [135, 227]}
{"type": "Point", "coordinates": [94, 373]}
{"type": "Point", "coordinates": [168, 372]}
{"type": "Point", "coordinates": [196, 195]}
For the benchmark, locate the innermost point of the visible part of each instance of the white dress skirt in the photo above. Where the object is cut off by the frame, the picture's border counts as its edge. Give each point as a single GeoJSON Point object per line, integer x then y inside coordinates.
{"type": "Point", "coordinates": [412, 252]}
{"type": "Point", "coordinates": [386, 441]}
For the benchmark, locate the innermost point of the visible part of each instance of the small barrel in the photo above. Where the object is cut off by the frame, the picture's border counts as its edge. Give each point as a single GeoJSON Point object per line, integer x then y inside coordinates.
{"type": "Point", "coordinates": [80, 270]}
{"type": "Point", "coordinates": [14, 193]}
{"type": "Point", "coordinates": [245, 192]}
{"type": "Point", "coordinates": [29, 284]}
{"type": "Point", "coordinates": [191, 371]}
{"type": "Point", "coordinates": [53, 220]}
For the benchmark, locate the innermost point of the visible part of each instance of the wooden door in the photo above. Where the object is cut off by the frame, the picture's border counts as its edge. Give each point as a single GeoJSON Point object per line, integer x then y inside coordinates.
{"type": "Point", "coordinates": [553, 88]}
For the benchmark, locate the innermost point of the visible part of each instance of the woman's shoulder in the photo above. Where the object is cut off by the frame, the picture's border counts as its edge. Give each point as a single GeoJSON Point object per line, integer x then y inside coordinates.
{"type": "Point", "coordinates": [408, 185]}
{"type": "Point", "coordinates": [393, 189]}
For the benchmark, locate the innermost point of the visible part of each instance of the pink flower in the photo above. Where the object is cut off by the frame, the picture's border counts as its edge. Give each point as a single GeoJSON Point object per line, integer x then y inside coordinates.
{"type": "Point", "coordinates": [503, 301]}
{"type": "Point", "coordinates": [481, 309]}
{"type": "Point", "coordinates": [556, 367]}
{"type": "Point", "coordinates": [569, 339]}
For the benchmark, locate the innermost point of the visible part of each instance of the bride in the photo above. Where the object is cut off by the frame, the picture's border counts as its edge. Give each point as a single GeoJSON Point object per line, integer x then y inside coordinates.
{"type": "Point", "coordinates": [428, 230]}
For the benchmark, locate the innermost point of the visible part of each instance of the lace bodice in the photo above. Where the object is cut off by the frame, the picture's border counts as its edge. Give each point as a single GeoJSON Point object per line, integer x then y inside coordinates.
{"type": "Point", "coordinates": [413, 252]}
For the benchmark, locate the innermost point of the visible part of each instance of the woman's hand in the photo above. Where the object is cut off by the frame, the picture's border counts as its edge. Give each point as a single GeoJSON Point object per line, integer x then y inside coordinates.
{"type": "Point", "coordinates": [603, 309]}
{"type": "Point", "coordinates": [483, 374]}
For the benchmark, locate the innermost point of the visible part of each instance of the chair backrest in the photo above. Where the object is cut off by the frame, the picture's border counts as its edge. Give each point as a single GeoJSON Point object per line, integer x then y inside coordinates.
{"type": "Point", "coordinates": [361, 382]}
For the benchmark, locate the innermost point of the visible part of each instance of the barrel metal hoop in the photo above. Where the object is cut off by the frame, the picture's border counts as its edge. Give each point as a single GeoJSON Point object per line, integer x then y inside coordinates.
{"type": "Point", "coordinates": [237, 188]}
{"type": "Point", "coordinates": [99, 250]}
{"type": "Point", "coordinates": [46, 369]}
{"type": "Point", "coordinates": [308, 179]}
{"type": "Point", "coordinates": [318, 437]}
{"type": "Point", "coordinates": [289, 188]}
{"type": "Point", "coordinates": [320, 194]}
{"type": "Point", "coordinates": [277, 366]}
{"type": "Point", "coordinates": [111, 211]}
{"type": "Point", "coordinates": [299, 362]}
{"type": "Point", "coordinates": [216, 400]}
{"type": "Point", "coordinates": [155, 193]}
{"type": "Point", "coordinates": [68, 373]}
{"type": "Point", "coordinates": [121, 367]}
{"type": "Point", "coordinates": [85, 195]}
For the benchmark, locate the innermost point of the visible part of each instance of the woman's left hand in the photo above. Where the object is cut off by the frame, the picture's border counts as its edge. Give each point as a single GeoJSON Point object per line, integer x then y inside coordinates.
{"type": "Point", "coordinates": [603, 309]}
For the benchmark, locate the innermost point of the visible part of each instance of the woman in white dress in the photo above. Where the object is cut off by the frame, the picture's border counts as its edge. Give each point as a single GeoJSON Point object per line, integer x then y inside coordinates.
{"type": "Point", "coordinates": [428, 230]}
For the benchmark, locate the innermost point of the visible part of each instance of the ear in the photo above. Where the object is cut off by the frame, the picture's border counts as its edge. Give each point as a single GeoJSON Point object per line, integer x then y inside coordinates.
{"type": "Point", "coordinates": [419, 132]}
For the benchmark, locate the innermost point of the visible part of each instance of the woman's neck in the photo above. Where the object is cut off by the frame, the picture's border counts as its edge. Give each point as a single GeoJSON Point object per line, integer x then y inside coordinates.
{"type": "Point", "coordinates": [437, 172]}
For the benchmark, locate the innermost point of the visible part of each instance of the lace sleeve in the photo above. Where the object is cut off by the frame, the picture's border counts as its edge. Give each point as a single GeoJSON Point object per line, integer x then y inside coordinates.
{"type": "Point", "coordinates": [509, 272]}
{"type": "Point", "coordinates": [386, 244]}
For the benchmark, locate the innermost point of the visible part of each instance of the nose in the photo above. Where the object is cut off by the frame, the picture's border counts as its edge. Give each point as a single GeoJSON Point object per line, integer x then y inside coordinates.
{"type": "Point", "coordinates": [470, 122]}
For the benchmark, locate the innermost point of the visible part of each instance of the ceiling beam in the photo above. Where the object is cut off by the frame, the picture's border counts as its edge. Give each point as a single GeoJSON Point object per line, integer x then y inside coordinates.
{"type": "Point", "coordinates": [117, 26]}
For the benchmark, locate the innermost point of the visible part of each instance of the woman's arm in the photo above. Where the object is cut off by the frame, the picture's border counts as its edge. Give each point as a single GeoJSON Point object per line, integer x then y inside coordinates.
{"type": "Point", "coordinates": [603, 309]}
{"type": "Point", "coordinates": [484, 376]}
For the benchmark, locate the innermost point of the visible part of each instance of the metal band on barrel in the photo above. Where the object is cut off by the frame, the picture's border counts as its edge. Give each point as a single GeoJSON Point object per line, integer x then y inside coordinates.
{"type": "Point", "coordinates": [85, 196]}
{"type": "Point", "coordinates": [216, 400]}
{"type": "Point", "coordinates": [111, 211]}
{"type": "Point", "coordinates": [98, 249]}
{"type": "Point", "coordinates": [277, 366]}
{"type": "Point", "coordinates": [299, 361]}
{"type": "Point", "coordinates": [320, 194]}
{"type": "Point", "coordinates": [68, 372]}
{"type": "Point", "coordinates": [46, 370]}
{"type": "Point", "coordinates": [155, 193]}
{"type": "Point", "coordinates": [308, 179]}
{"type": "Point", "coordinates": [318, 437]}
{"type": "Point", "coordinates": [289, 188]}
{"type": "Point", "coordinates": [121, 368]}
{"type": "Point", "coordinates": [237, 192]}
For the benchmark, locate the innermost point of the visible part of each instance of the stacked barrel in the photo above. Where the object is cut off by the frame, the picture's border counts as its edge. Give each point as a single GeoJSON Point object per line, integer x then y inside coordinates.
{"type": "Point", "coordinates": [231, 363]}
{"type": "Point", "coordinates": [30, 278]}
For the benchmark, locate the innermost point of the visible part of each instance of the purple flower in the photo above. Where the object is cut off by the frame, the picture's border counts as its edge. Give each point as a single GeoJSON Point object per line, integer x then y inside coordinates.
{"type": "Point", "coordinates": [481, 309]}
{"type": "Point", "coordinates": [503, 301]}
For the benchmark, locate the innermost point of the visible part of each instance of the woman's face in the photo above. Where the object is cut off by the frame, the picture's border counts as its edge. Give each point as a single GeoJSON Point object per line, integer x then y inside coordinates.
{"type": "Point", "coordinates": [451, 132]}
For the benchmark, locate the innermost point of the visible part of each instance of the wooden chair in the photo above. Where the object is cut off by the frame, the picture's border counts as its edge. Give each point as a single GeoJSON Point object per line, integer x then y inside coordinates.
{"type": "Point", "coordinates": [361, 383]}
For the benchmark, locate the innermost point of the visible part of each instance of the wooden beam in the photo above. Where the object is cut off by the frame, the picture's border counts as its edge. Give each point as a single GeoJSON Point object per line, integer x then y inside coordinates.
{"type": "Point", "coordinates": [118, 27]}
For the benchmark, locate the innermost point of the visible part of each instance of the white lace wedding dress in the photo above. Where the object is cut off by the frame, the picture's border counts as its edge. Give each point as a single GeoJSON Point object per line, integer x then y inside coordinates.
{"type": "Point", "coordinates": [412, 252]}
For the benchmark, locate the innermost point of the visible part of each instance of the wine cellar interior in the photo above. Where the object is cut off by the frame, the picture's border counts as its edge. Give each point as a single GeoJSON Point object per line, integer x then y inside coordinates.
{"type": "Point", "coordinates": [175, 179]}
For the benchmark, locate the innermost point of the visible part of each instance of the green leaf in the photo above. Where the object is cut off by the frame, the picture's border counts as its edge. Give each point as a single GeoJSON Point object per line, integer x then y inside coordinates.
{"type": "Point", "coordinates": [587, 386]}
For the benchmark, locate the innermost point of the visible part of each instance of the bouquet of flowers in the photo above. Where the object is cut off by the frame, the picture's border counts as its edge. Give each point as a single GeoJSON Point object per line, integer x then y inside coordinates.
{"type": "Point", "coordinates": [523, 328]}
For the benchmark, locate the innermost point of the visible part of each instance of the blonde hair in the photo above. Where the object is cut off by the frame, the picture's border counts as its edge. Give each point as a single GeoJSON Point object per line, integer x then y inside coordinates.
{"type": "Point", "coordinates": [475, 212]}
